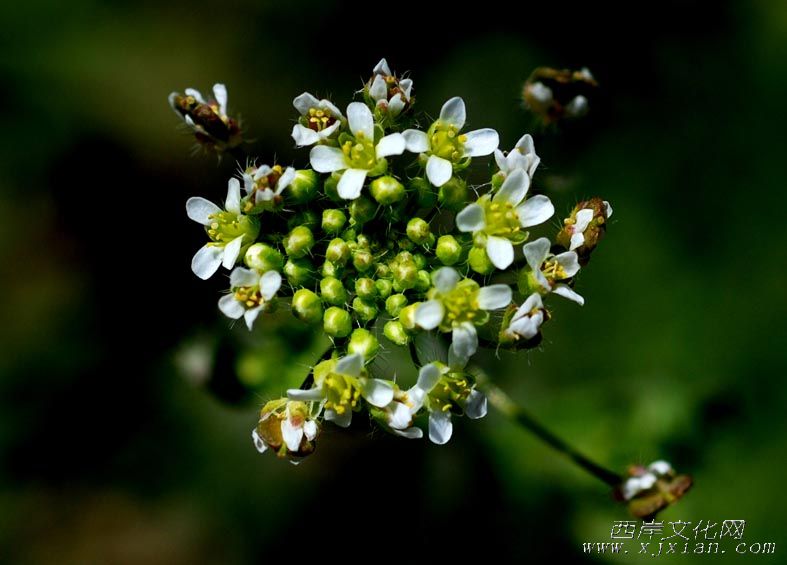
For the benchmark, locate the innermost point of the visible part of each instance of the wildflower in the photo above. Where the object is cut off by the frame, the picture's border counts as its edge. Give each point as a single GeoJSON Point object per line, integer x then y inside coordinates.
{"type": "Point", "coordinates": [389, 94]}
{"type": "Point", "coordinates": [358, 156]}
{"type": "Point", "coordinates": [650, 489]}
{"type": "Point", "coordinates": [444, 148]}
{"type": "Point", "coordinates": [208, 119]}
{"type": "Point", "coordinates": [250, 294]}
{"type": "Point", "coordinates": [320, 119]}
{"type": "Point", "coordinates": [501, 217]}
{"type": "Point", "coordinates": [229, 231]}
{"type": "Point", "coordinates": [522, 156]}
{"type": "Point", "coordinates": [265, 184]}
{"type": "Point", "coordinates": [585, 227]}
{"type": "Point", "coordinates": [526, 321]}
{"type": "Point", "coordinates": [286, 427]}
{"type": "Point", "coordinates": [547, 272]}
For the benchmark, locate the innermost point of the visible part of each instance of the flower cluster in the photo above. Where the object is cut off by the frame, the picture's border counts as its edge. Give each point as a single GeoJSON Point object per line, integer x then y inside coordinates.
{"type": "Point", "coordinates": [382, 240]}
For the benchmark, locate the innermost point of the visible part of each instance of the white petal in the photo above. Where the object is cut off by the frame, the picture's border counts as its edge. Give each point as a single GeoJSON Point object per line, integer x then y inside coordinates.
{"type": "Point", "coordinates": [350, 365]}
{"type": "Point", "coordinates": [514, 188]}
{"type": "Point", "coordinates": [429, 314]}
{"type": "Point", "coordinates": [494, 297]}
{"type": "Point", "coordinates": [332, 110]}
{"type": "Point", "coordinates": [285, 179]}
{"type": "Point", "coordinates": [351, 183]}
{"type": "Point", "coordinates": [583, 219]}
{"type": "Point", "coordinates": [196, 94]}
{"type": "Point", "coordinates": [440, 427]}
{"type": "Point", "coordinates": [258, 443]}
{"type": "Point", "coordinates": [569, 261]}
{"type": "Point", "coordinates": [220, 94]}
{"type": "Point", "coordinates": [533, 301]}
{"type": "Point", "coordinates": [360, 120]}
{"type": "Point", "coordinates": [270, 283]}
{"type": "Point", "coordinates": [481, 142]}
{"type": "Point", "coordinates": [395, 107]}
{"type": "Point", "coordinates": [445, 279]}
{"type": "Point", "coordinates": [502, 162]}
{"type": "Point", "coordinates": [399, 416]}
{"type": "Point", "coordinates": [240, 276]}
{"type": "Point", "coordinates": [326, 159]}
{"type": "Point", "coordinates": [377, 392]}
{"type": "Point", "coordinates": [379, 89]}
{"type": "Point", "coordinates": [535, 210]}
{"type": "Point", "coordinates": [528, 326]}
{"type": "Point", "coordinates": [382, 68]}
{"type": "Point", "coordinates": [198, 209]}
{"type": "Point", "coordinates": [609, 209]}
{"type": "Point", "coordinates": [406, 85]}
{"type": "Point", "coordinates": [576, 241]}
{"type": "Point", "coordinates": [416, 141]}
{"type": "Point", "coordinates": [231, 252]}
{"type": "Point", "coordinates": [327, 132]}
{"type": "Point", "coordinates": [475, 406]}
{"type": "Point", "coordinates": [232, 203]}
{"type": "Point", "coordinates": [453, 112]}
{"type": "Point", "coordinates": [525, 145]}
{"type": "Point", "coordinates": [304, 102]}
{"type": "Point", "coordinates": [310, 429]}
{"type": "Point", "coordinates": [471, 218]}
{"type": "Point", "coordinates": [251, 316]}
{"type": "Point", "coordinates": [342, 420]}
{"type": "Point", "coordinates": [438, 170]}
{"type": "Point", "coordinates": [535, 252]}
{"type": "Point", "coordinates": [541, 93]}
{"type": "Point", "coordinates": [304, 136]}
{"type": "Point", "coordinates": [500, 251]}
{"type": "Point", "coordinates": [660, 467]}
{"type": "Point", "coordinates": [464, 344]}
{"type": "Point", "coordinates": [206, 261]}
{"type": "Point", "coordinates": [231, 307]}
{"type": "Point", "coordinates": [578, 107]}
{"type": "Point", "coordinates": [291, 435]}
{"type": "Point", "coordinates": [392, 144]}
{"type": "Point", "coordinates": [428, 377]}
{"type": "Point", "coordinates": [409, 433]}
{"type": "Point", "coordinates": [310, 395]}
{"type": "Point", "coordinates": [566, 292]}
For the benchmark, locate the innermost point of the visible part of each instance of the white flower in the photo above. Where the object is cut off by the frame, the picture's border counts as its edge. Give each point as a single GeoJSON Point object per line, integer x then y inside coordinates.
{"type": "Point", "coordinates": [250, 294]}
{"type": "Point", "coordinates": [389, 93]}
{"type": "Point", "coordinates": [218, 104]}
{"type": "Point", "coordinates": [457, 305]}
{"type": "Point", "coordinates": [400, 411]}
{"type": "Point", "coordinates": [522, 156]}
{"type": "Point", "coordinates": [285, 428]}
{"type": "Point", "coordinates": [583, 219]}
{"type": "Point", "coordinates": [228, 230]}
{"type": "Point", "coordinates": [319, 120]}
{"type": "Point", "coordinates": [547, 269]}
{"type": "Point", "coordinates": [208, 119]}
{"type": "Point", "coordinates": [445, 147]}
{"type": "Point", "coordinates": [359, 157]}
{"type": "Point", "coordinates": [340, 384]}
{"type": "Point", "coordinates": [295, 426]}
{"type": "Point", "coordinates": [502, 216]}
{"type": "Point", "coordinates": [645, 479]}
{"type": "Point", "coordinates": [267, 182]}
{"type": "Point", "coordinates": [527, 319]}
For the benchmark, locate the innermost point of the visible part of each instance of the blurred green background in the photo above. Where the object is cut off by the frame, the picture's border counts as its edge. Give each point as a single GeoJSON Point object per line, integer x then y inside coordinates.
{"type": "Point", "coordinates": [111, 452]}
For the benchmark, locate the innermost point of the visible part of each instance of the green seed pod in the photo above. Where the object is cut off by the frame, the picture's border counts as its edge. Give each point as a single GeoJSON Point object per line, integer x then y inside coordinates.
{"type": "Point", "coordinates": [337, 251]}
{"type": "Point", "coordinates": [396, 333]}
{"type": "Point", "coordinates": [423, 282]}
{"type": "Point", "coordinates": [407, 316]}
{"type": "Point", "coordinates": [363, 342]}
{"type": "Point", "coordinates": [306, 306]}
{"type": "Point", "coordinates": [384, 287]}
{"type": "Point", "coordinates": [299, 241]}
{"type": "Point", "coordinates": [362, 210]}
{"type": "Point", "coordinates": [365, 310]}
{"type": "Point", "coordinates": [448, 250]}
{"type": "Point", "coordinates": [418, 231]}
{"type": "Point", "coordinates": [298, 271]}
{"type": "Point", "coordinates": [262, 257]}
{"type": "Point", "coordinates": [479, 261]}
{"type": "Point", "coordinates": [303, 187]}
{"type": "Point", "coordinates": [365, 288]}
{"type": "Point", "coordinates": [362, 260]}
{"type": "Point", "coordinates": [453, 194]}
{"type": "Point", "coordinates": [394, 304]}
{"type": "Point", "coordinates": [332, 291]}
{"type": "Point", "coordinates": [386, 190]}
{"type": "Point", "coordinates": [337, 322]}
{"type": "Point", "coordinates": [333, 220]}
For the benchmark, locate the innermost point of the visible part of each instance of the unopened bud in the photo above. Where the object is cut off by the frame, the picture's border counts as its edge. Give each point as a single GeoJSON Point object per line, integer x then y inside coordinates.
{"type": "Point", "coordinates": [394, 304]}
{"type": "Point", "coordinates": [453, 194]}
{"type": "Point", "coordinates": [332, 291]}
{"type": "Point", "coordinates": [418, 231]}
{"type": "Point", "coordinates": [333, 220]}
{"type": "Point", "coordinates": [299, 241]}
{"type": "Point", "coordinates": [262, 257]}
{"type": "Point", "coordinates": [306, 306]}
{"type": "Point", "coordinates": [298, 271]}
{"type": "Point", "coordinates": [304, 186]}
{"type": "Point", "coordinates": [365, 288]}
{"type": "Point", "coordinates": [448, 250]}
{"type": "Point", "coordinates": [362, 260]}
{"type": "Point", "coordinates": [386, 190]}
{"type": "Point", "coordinates": [407, 316]}
{"type": "Point", "coordinates": [384, 287]}
{"type": "Point", "coordinates": [337, 322]}
{"type": "Point", "coordinates": [365, 310]}
{"type": "Point", "coordinates": [396, 333]}
{"type": "Point", "coordinates": [337, 251]}
{"type": "Point", "coordinates": [362, 210]}
{"type": "Point", "coordinates": [479, 261]}
{"type": "Point", "coordinates": [362, 341]}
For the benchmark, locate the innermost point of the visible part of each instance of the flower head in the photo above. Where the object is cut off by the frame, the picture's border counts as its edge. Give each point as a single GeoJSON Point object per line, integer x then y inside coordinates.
{"type": "Point", "coordinates": [208, 119]}
{"type": "Point", "coordinates": [546, 271]}
{"type": "Point", "coordinates": [264, 185]}
{"type": "Point", "coordinates": [320, 119]}
{"type": "Point", "coordinates": [522, 156]}
{"type": "Point", "coordinates": [526, 321]}
{"type": "Point", "coordinates": [250, 294]}
{"type": "Point", "coordinates": [390, 95]}
{"type": "Point", "coordinates": [585, 227]}
{"type": "Point", "coordinates": [286, 427]}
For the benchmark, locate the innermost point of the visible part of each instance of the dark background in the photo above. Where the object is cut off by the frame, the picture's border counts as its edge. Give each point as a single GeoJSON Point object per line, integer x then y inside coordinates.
{"type": "Point", "coordinates": [113, 451]}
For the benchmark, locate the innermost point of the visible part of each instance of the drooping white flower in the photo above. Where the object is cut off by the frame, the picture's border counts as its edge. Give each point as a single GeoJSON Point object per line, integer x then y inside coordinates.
{"type": "Point", "coordinates": [208, 119]}
{"type": "Point", "coordinates": [583, 219]}
{"type": "Point", "coordinates": [546, 269]}
{"type": "Point", "coordinates": [645, 478]}
{"type": "Point", "coordinates": [320, 119]}
{"type": "Point", "coordinates": [527, 320]}
{"type": "Point", "coordinates": [398, 414]}
{"type": "Point", "coordinates": [443, 145]}
{"type": "Point", "coordinates": [228, 229]}
{"type": "Point", "coordinates": [250, 294]}
{"type": "Point", "coordinates": [286, 426]}
{"type": "Point", "coordinates": [389, 93]}
{"type": "Point", "coordinates": [457, 305]}
{"type": "Point", "coordinates": [522, 156]}
{"type": "Point", "coordinates": [266, 183]}
{"type": "Point", "coordinates": [502, 216]}
{"type": "Point", "coordinates": [357, 157]}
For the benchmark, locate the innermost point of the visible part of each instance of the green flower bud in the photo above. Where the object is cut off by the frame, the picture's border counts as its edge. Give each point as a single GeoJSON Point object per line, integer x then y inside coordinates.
{"type": "Point", "coordinates": [427, 197]}
{"type": "Point", "coordinates": [365, 288]}
{"type": "Point", "coordinates": [303, 187]}
{"type": "Point", "coordinates": [337, 252]}
{"type": "Point", "coordinates": [394, 304]}
{"type": "Point", "coordinates": [383, 271]}
{"type": "Point", "coordinates": [423, 282]}
{"type": "Point", "coordinates": [307, 218]}
{"type": "Point", "coordinates": [331, 269]}
{"type": "Point", "coordinates": [262, 257]}
{"type": "Point", "coordinates": [365, 310]}
{"type": "Point", "coordinates": [418, 231]}
{"type": "Point", "coordinates": [362, 210]}
{"type": "Point", "coordinates": [333, 220]}
{"type": "Point", "coordinates": [362, 260]}
{"type": "Point", "coordinates": [396, 333]}
{"type": "Point", "coordinates": [349, 234]}
{"type": "Point", "coordinates": [299, 241]}
{"type": "Point", "coordinates": [479, 261]}
{"type": "Point", "coordinates": [420, 261]}
{"type": "Point", "coordinates": [363, 341]}
{"type": "Point", "coordinates": [404, 270]}
{"type": "Point", "coordinates": [453, 194]}
{"type": "Point", "coordinates": [337, 322]}
{"type": "Point", "coordinates": [384, 287]}
{"type": "Point", "coordinates": [386, 190]}
{"type": "Point", "coordinates": [362, 241]}
{"type": "Point", "coordinates": [332, 291]}
{"type": "Point", "coordinates": [331, 187]}
{"type": "Point", "coordinates": [407, 317]}
{"type": "Point", "coordinates": [448, 250]}
{"type": "Point", "coordinates": [306, 306]}
{"type": "Point", "coordinates": [298, 271]}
